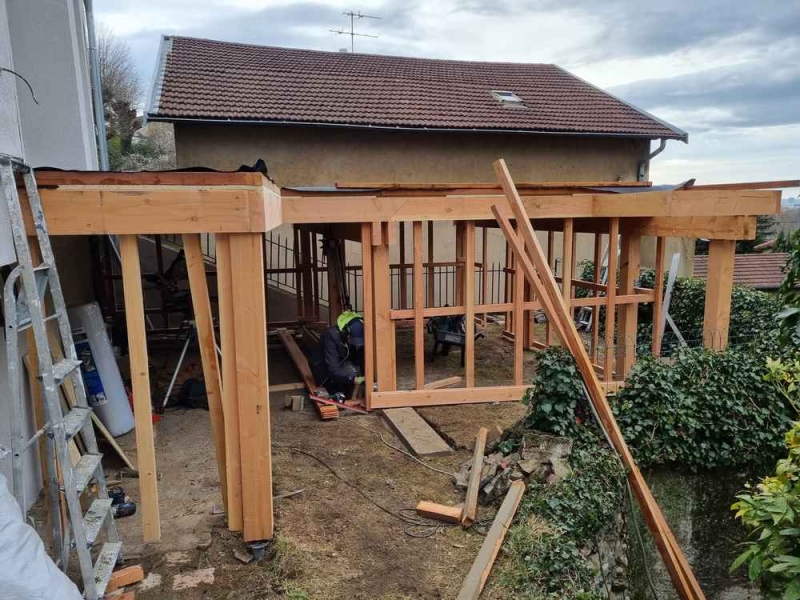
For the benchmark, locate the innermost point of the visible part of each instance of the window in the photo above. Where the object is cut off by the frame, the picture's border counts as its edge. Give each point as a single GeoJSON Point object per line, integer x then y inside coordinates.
{"type": "Point", "coordinates": [507, 98]}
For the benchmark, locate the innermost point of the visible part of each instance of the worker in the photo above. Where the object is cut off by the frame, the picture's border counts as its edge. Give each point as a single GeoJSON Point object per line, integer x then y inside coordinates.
{"type": "Point", "coordinates": [338, 362]}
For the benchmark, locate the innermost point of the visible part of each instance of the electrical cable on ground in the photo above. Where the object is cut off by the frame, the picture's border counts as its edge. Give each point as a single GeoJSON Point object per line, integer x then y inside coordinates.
{"type": "Point", "coordinates": [414, 526]}
{"type": "Point", "coordinates": [408, 454]}
{"type": "Point", "coordinates": [628, 487]}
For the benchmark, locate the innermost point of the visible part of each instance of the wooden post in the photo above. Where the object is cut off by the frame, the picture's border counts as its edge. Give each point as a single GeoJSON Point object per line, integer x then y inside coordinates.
{"type": "Point", "coordinates": [305, 257]}
{"type": "Point", "coordinates": [252, 383]}
{"type": "Point", "coordinates": [403, 287]}
{"type": "Point", "coordinates": [630, 263]}
{"type": "Point", "coordinates": [658, 295]}
{"type": "Point", "coordinates": [484, 271]}
{"type": "Point", "coordinates": [460, 263]}
{"type": "Point", "coordinates": [469, 303]}
{"type": "Point", "coordinates": [519, 321]}
{"type": "Point", "coordinates": [230, 396]}
{"type": "Point", "coordinates": [719, 285]}
{"type": "Point", "coordinates": [551, 262]}
{"type": "Point", "coordinates": [384, 353]}
{"type": "Point", "coordinates": [508, 289]}
{"type": "Point", "coordinates": [204, 322]}
{"type": "Point", "coordinates": [369, 312]}
{"type": "Point", "coordinates": [140, 381]}
{"type": "Point", "coordinates": [298, 270]}
{"type": "Point", "coordinates": [598, 268]}
{"type": "Point", "coordinates": [611, 297]}
{"type": "Point", "coordinates": [567, 262]}
{"type": "Point", "coordinates": [419, 304]}
{"type": "Point", "coordinates": [431, 273]}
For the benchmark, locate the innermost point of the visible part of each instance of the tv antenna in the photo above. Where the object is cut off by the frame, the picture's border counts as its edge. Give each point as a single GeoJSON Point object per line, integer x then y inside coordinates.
{"type": "Point", "coordinates": [352, 33]}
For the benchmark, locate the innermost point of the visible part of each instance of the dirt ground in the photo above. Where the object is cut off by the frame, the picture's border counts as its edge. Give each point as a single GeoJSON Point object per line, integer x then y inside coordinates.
{"type": "Point", "coordinates": [330, 541]}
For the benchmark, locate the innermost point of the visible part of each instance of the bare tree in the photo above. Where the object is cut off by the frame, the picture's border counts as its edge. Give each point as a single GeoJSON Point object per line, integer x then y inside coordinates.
{"type": "Point", "coordinates": [122, 88]}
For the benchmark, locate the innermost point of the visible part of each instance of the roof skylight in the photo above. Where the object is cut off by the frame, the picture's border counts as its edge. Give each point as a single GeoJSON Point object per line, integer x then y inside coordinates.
{"type": "Point", "coordinates": [507, 98]}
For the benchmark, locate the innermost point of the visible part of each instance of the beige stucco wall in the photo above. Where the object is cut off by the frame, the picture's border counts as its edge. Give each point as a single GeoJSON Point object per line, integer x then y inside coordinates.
{"type": "Point", "coordinates": [318, 156]}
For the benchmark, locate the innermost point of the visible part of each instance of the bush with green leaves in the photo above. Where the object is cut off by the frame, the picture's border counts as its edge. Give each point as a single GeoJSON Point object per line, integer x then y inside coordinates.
{"type": "Point", "coordinates": [771, 511]}
{"type": "Point", "coordinates": [706, 409]}
{"type": "Point", "coordinates": [555, 393]}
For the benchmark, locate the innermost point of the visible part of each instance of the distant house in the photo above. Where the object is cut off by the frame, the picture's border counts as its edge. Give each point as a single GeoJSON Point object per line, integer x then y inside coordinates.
{"type": "Point", "coordinates": [318, 118]}
{"type": "Point", "coordinates": [760, 271]}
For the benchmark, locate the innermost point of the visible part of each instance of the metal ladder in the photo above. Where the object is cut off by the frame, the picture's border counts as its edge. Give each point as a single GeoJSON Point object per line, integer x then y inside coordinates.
{"type": "Point", "coordinates": [25, 308]}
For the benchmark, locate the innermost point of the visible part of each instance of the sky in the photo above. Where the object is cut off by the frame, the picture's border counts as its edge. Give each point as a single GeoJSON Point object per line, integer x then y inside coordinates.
{"type": "Point", "coordinates": [727, 72]}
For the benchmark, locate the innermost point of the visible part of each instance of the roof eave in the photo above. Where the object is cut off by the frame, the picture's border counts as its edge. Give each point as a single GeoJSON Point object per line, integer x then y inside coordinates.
{"type": "Point", "coordinates": [682, 136]}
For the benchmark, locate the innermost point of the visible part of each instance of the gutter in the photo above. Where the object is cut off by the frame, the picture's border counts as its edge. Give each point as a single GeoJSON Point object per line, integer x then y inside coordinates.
{"type": "Point", "coordinates": [97, 89]}
{"type": "Point", "coordinates": [643, 164]}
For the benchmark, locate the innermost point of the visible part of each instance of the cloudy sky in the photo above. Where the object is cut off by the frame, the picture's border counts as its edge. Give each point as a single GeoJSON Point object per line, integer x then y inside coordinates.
{"type": "Point", "coordinates": [726, 71]}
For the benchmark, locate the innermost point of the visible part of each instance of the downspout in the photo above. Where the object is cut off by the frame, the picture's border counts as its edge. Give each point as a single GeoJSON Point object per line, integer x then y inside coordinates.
{"type": "Point", "coordinates": [643, 164]}
{"type": "Point", "coordinates": [97, 89]}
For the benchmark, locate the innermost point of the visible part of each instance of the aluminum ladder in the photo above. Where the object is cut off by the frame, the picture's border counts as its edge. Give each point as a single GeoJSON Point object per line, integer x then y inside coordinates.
{"type": "Point", "coordinates": [25, 308]}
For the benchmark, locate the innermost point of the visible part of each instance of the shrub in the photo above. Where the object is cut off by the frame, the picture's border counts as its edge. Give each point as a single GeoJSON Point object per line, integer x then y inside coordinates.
{"type": "Point", "coordinates": [771, 512]}
{"type": "Point", "coordinates": [705, 410]}
{"type": "Point", "coordinates": [555, 393]}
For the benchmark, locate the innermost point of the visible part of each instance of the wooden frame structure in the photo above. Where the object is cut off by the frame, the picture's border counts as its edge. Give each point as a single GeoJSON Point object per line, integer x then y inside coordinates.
{"type": "Point", "coordinates": [240, 207]}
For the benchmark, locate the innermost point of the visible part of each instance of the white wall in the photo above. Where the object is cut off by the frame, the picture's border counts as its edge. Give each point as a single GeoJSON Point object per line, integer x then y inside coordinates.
{"type": "Point", "coordinates": [49, 49]}
{"type": "Point", "coordinates": [10, 138]}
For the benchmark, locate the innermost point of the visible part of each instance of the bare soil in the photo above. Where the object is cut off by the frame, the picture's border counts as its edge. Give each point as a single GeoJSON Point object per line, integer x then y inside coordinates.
{"type": "Point", "coordinates": [330, 541]}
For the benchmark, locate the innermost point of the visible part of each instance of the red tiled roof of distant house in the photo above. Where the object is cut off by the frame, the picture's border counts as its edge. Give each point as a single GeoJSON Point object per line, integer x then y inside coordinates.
{"type": "Point", "coordinates": [211, 80]}
{"type": "Point", "coordinates": [760, 271]}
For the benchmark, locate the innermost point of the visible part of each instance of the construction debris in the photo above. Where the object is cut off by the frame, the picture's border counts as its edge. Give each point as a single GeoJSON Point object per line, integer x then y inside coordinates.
{"type": "Point", "coordinates": [123, 577]}
{"type": "Point", "coordinates": [440, 512]}
{"type": "Point", "coordinates": [419, 437]}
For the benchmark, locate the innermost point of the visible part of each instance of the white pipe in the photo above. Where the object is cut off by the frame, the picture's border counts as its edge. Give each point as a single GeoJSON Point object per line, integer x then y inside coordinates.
{"type": "Point", "coordinates": [97, 89]}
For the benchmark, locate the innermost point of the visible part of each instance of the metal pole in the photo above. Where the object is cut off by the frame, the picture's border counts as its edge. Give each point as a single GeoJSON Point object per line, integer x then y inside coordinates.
{"type": "Point", "coordinates": [97, 89]}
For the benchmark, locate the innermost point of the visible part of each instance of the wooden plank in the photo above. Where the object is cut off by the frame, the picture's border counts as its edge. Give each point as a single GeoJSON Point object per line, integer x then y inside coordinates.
{"type": "Point", "coordinates": [718, 228]}
{"type": "Point", "coordinates": [403, 271]}
{"type": "Point", "coordinates": [439, 397]}
{"type": "Point", "coordinates": [377, 233]}
{"type": "Point", "coordinates": [439, 512]}
{"type": "Point", "coordinates": [230, 395]}
{"type": "Point", "coordinates": [748, 185]}
{"type": "Point", "coordinates": [140, 382]}
{"type": "Point", "coordinates": [469, 303]}
{"type": "Point", "coordinates": [479, 572]}
{"type": "Point", "coordinates": [383, 325]}
{"type": "Point", "coordinates": [455, 207]}
{"type": "Point", "coordinates": [367, 283]}
{"type": "Point", "coordinates": [551, 264]}
{"type": "Point", "coordinates": [630, 263]}
{"type": "Point", "coordinates": [252, 383]}
{"type": "Point", "coordinates": [204, 322]}
{"type": "Point", "coordinates": [484, 271]}
{"type": "Point", "coordinates": [494, 186]}
{"type": "Point", "coordinates": [611, 292]}
{"type": "Point", "coordinates": [443, 383]}
{"type": "Point", "coordinates": [47, 178]}
{"type": "Point", "coordinates": [300, 361]}
{"type": "Point", "coordinates": [518, 323]}
{"type": "Point", "coordinates": [567, 262]}
{"type": "Point", "coordinates": [419, 304]}
{"type": "Point", "coordinates": [719, 286]}
{"type": "Point", "coordinates": [419, 437]}
{"type": "Point", "coordinates": [286, 387]}
{"type": "Point", "coordinates": [431, 269]}
{"type": "Point", "coordinates": [471, 499]}
{"type": "Point", "coordinates": [658, 299]}
{"type": "Point", "coordinates": [598, 267]}
{"type": "Point", "coordinates": [133, 209]}
{"type": "Point", "coordinates": [678, 568]}
{"type": "Point", "coordinates": [125, 576]}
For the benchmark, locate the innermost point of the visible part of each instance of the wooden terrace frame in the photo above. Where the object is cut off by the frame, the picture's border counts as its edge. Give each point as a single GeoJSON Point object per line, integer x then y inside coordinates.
{"type": "Point", "coordinates": [240, 207]}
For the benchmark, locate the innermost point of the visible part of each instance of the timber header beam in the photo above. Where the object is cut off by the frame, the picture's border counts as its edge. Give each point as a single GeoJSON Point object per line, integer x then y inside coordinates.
{"type": "Point", "coordinates": [344, 207]}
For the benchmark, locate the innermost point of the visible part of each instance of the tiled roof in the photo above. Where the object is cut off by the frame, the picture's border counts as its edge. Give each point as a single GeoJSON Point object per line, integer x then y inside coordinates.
{"type": "Point", "coordinates": [211, 80]}
{"type": "Point", "coordinates": [760, 271]}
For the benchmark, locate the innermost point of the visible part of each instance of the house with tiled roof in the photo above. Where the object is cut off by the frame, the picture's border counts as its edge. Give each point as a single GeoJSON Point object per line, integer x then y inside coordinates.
{"type": "Point", "coordinates": [762, 271]}
{"type": "Point", "coordinates": [322, 118]}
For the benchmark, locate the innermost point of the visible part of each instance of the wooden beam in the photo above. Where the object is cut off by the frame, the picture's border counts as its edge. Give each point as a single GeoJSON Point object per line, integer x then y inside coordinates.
{"type": "Point", "coordinates": [750, 185]}
{"type": "Point", "coordinates": [352, 208]}
{"type": "Point", "coordinates": [419, 304]}
{"type": "Point", "coordinates": [230, 396]}
{"type": "Point", "coordinates": [598, 267]}
{"type": "Point", "coordinates": [630, 263]}
{"type": "Point", "coordinates": [567, 262]}
{"type": "Point", "coordinates": [440, 397]}
{"type": "Point", "coordinates": [493, 186]}
{"type": "Point", "coordinates": [383, 324]}
{"type": "Point", "coordinates": [658, 300]}
{"type": "Point", "coordinates": [714, 227]}
{"type": "Point", "coordinates": [551, 264]}
{"type": "Point", "coordinates": [479, 573]}
{"type": "Point", "coordinates": [140, 382]}
{"type": "Point", "coordinates": [403, 287]}
{"type": "Point", "coordinates": [678, 568]}
{"type": "Point", "coordinates": [431, 269]}
{"type": "Point", "coordinates": [204, 321]}
{"type": "Point", "coordinates": [611, 292]}
{"type": "Point", "coordinates": [484, 271]}
{"type": "Point", "coordinates": [719, 285]}
{"type": "Point", "coordinates": [469, 303]}
{"type": "Point", "coordinates": [473, 488]}
{"type": "Point", "coordinates": [377, 233]}
{"type": "Point", "coordinates": [519, 323]}
{"type": "Point", "coordinates": [124, 577]}
{"type": "Point", "coordinates": [439, 512]}
{"type": "Point", "coordinates": [443, 383]}
{"type": "Point", "coordinates": [45, 178]}
{"type": "Point", "coordinates": [367, 282]}
{"type": "Point", "coordinates": [134, 209]}
{"type": "Point", "coordinates": [252, 384]}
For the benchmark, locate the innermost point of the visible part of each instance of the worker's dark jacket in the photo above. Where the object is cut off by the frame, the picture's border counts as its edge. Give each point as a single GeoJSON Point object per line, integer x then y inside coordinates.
{"type": "Point", "coordinates": [331, 363]}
